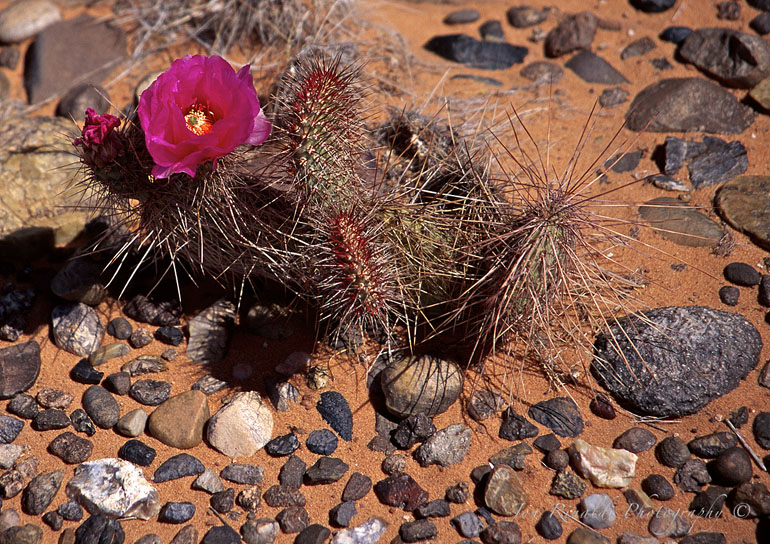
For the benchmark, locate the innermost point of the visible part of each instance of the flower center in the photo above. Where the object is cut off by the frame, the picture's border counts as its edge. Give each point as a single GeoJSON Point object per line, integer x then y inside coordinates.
{"type": "Point", "coordinates": [199, 119]}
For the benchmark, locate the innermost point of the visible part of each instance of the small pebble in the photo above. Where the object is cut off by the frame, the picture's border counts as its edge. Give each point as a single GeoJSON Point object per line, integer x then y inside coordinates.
{"type": "Point", "coordinates": [729, 295]}
{"type": "Point", "coordinates": [176, 512]}
{"type": "Point", "coordinates": [742, 274]}
{"type": "Point", "coordinates": [150, 392]}
{"type": "Point", "coordinates": [675, 34]}
{"type": "Point", "coordinates": [243, 474]}
{"type": "Point", "coordinates": [140, 338]}
{"type": "Point", "coordinates": [282, 445]}
{"type": "Point", "coordinates": [438, 508]}
{"type": "Point", "coordinates": [291, 473]}
{"type": "Point", "coordinates": [71, 448]}
{"type": "Point", "coordinates": [342, 514]}
{"type": "Point", "coordinates": [53, 398]}
{"type": "Point", "coordinates": [169, 335]}
{"type": "Point", "coordinates": [209, 482]}
{"type": "Point", "coordinates": [292, 519]}
{"type": "Point", "coordinates": [250, 498]}
{"type": "Point", "coordinates": [223, 501]}
{"type": "Point", "coordinates": [556, 459]}
{"type": "Point", "coordinates": [137, 452]}
{"type": "Point", "coordinates": [547, 442]}
{"type": "Point", "coordinates": [658, 487]}
{"type": "Point", "coordinates": [357, 487]}
{"type": "Point", "coordinates": [101, 406]}
{"type": "Point", "coordinates": [120, 328]}
{"type": "Point", "coordinates": [70, 511]}
{"type": "Point", "coordinates": [118, 383]}
{"type": "Point", "coordinates": [83, 372]}
{"type": "Point", "coordinates": [23, 405]}
{"type": "Point", "coordinates": [47, 420]}
{"type": "Point", "coordinates": [635, 440]}
{"type": "Point", "coordinates": [461, 16]}
{"type": "Point", "coordinates": [413, 531]}
{"type": "Point", "coordinates": [672, 452]}
{"type": "Point", "coordinates": [457, 494]}
{"type": "Point", "coordinates": [393, 463]}
{"type": "Point", "coordinates": [467, 524]}
{"type": "Point", "coordinates": [82, 423]}
{"type": "Point", "coordinates": [549, 526]}
{"type": "Point", "coordinates": [732, 467]}
{"type": "Point", "coordinates": [322, 442]}
{"type": "Point", "coordinates": [178, 466]}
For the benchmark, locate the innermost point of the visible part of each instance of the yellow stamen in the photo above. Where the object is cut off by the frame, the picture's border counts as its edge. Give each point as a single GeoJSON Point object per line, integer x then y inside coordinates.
{"type": "Point", "coordinates": [199, 120]}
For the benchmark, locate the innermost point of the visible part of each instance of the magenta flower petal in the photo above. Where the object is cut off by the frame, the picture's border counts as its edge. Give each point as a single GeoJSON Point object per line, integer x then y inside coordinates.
{"type": "Point", "coordinates": [199, 111]}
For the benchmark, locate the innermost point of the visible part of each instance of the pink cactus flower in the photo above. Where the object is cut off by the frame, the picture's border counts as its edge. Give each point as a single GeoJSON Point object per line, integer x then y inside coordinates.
{"type": "Point", "coordinates": [198, 111]}
{"type": "Point", "coordinates": [99, 142]}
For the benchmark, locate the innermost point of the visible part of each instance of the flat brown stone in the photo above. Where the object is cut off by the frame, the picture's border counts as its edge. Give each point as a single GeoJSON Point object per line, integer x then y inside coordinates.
{"type": "Point", "coordinates": [179, 421]}
{"type": "Point", "coordinates": [744, 202]}
{"type": "Point", "coordinates": [676, 221]}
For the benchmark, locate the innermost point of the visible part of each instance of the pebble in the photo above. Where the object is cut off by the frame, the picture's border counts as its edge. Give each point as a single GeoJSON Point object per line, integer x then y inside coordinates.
{"type": "Point", "coordinates": [335, 411]}
{"type": "Point", "coordinates": [692, 476]}
{"type": "Point", "coordinates": [119, 328]}
{"type": "Point", "coordinates": [761, 24]}
{"type": "Point", "coordinates": [516, 427]}
{"type": "Point", "coordinates": [366, 533]}
{"type": "Point", "coordinates": [179, 421]}
{"type": "Point", "coordinates": [492, 30]}
{"type": "Point", "coordinates": [82, 423]}
{"type": "Point", "coordinates": [750, 500]}
{"type": "Point", "coordinates": [742, 274]}
{"type": "Point", "coordinates": [9, 453]}
{"type": "Point", "coordinates": [321, 442]}
{"type": "Point", "coordinates": [457, 494]}
{"type": "Point", "coordinates": [23, 405]}
{"type": "Point", "coordinates": [729, 295]}
{"type": "Point", "coordinates": [221, 534]}
{"type": "Point", "coordinates": [481, 54]}
{"type": "Point", "coordinates": [137, 452]}
{"type": "Point", "coordinates": [115, 488]}
{"type": "Point", "coordinates": [22, 534]}
{"type": "Point", "coordinates": [169, 355]}
{"type": "Point", "coordinates": [653, 6]}
{"type": "Point", "coordinates": [597, 511]}
{"type": "Point", "coordinates": [672, 452]}
{"type": "Point", "coordinates": [446, 447]}
{"type": "Point", "coordinates": [711, 445]}
{"type": "Point", "coordinates": [210, 333]}
{"type": "Point", "coordinates": [467, 524]}
{"type": "Point", "coordinates": [53, 520]}
{"type": "Point", "coordinates": [357, 487]}
{"type": "Point", "coordinates": [161, 314]}
{"type": "Point", "coordinates": [542, 73]}
{"type": "Point", "coordinates": [83, 372]}
{"type": "Point", "coordinates": [8, 518]}
{"type": "Point", "coordinates": [76, 328]}
{"type": "Point", "coordinates": [637, 48]}
{"type": "Point", "coordinates": [623, 162]}
{"type": "Point", "coordinates": [292, 519]}
{"type": "Point", "coordinates": [243, 474]}
{"type": "Point", "coordinates": [242, 426]}
{"type": "Point", "coordinates": [101, 406]}
{"type": "Point", "coordinates": [679, 372]}
{"type": "Point", "coordinates": [393, 463]}
{"type": "Point", "coordinates": [140, 338]}
{"type": "Point", "coordinates": [548, 526]}
{"type": "Point", "coordinates": [71, 448]}
{"type": "Point", "coordinates": [602, 407]}
{"type": "Point", "coordinates": [132, 424]}
{"type": "Point", "coordinates": [438, 508]}
{"type": "Point", "coordinates": [178, 466]}
{"type": "Point", "coordinates": [461, 17]}
{"type": "Point", "coordinates": [731, 467]}
{"type": "Point", "coordinates": [169, 335]}
{"type": "Point", "coordinates": [19, 368]}
{"type": "Point", "coordinates": [612, 97]}
{"type": "Point", "coordinates": [572, 33]}
{"type": "Point", "coordinates": [567, 484]}
{"type": "Point", "coordinates": [735, 58]}
{"type": "Point", "coordinates": [525, 16]}
{"type": "Point", "coordinates": [282, 394]}
{"type": "Point", "coordinates": [280, 496]}
{"type": "Point", "coordinates": [145, 364]}
{"type": "Point", "coordinates": [10, 427]}
{"type": "Point", "coordinates": [709, 502]}
{"type": "Point", "coordinates": [118, 383]}
{"type": "Point", "coordinates": [504, 493]}
{"type": "Point", "coordinates": [400, 490]}
{"type": "Point", "coordinates": [250, 498]}
{"type": "Point", "coordinates": [22, 20]}
{"type": "Point", "coordinates": [326, 470]}
{"type": "Point", "coordinates": [556, 459]}
{"type": "Point", "coordinates": [40, 492]}
{"type": "Point", "coordinates": [743, 202]}
{"type": "Point", "coordinates": [51, 419]}
{"type": "Point", "coordinates": [208, 384]}
{"type": "Point", "coordinates": [688, 105]}
{"type": "Point", "coordinates": [415, 428]}
{"type": "Point", "coordinates": [292, 472]}
{"type": "Point", "coordinates": [78, 279]}
{"type": "Point", "coordinates": [260, 531]}
{"type": "Point", "coordinates": [501, 532]}
{"type": "Point", "coordinates": [209, 482]}
{"type": "Point", "coordinates": [559, 414]}
{"type": "Point", "coordinates": [658, 487]}
{"type": "Point", "coordinates": [513, 456]}
{"type": "Point", "coordinates": [149, 538]}
{"type": "Point", "coordinates": [71, 106]}
{"type": "Point", "coordinates": [635, 440]}
{"type": "Point", "coordinates": [342, 514]}
{"type": "Point", "coordinates": [70, 511]}
{"type": "Point", "coordinates": [53, 398]}
{"type": "Point", "coordinates": [313, 534]}
{"type": "Point", "coordinates": [282, 445]}
{"type": "Point", "coordinates": [317, 377]}
{"type": "Point", "coordinates": [176, 512]}
{"type": "Point", "coordinates": [223, 501]}
{"type": "Point", "coordinates": [590, 67]}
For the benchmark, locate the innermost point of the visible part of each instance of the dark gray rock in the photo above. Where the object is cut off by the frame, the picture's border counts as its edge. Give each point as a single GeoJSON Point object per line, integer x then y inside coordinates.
{"type": "Point", "coordinates": [492, 31]}
{"type": "Point", "coordinates": [313, 534]}
{"type": "Point", "coordinates": [9, 57]}
{"type": "Point", "coordinates": [221, 534]}
{"type": "Point", "coordinates": [525, 16]}
{"type": "Point", "coordinates": [400, 490]}
{"type": "Point", "coordinates": [145, 364]}
{"type": "Point", "coordinates": [601, 406]}
{"type": "Point", "coordinates": [549, 526]}
{"type": "Point", "coordinates": [750, 500]}
{"type": "Point", "coordinates": [178, 466]}
{"type": "Point", "coordinates": [761, 429]}
{"type": "Point", "coordinates": [438, 508]}
{"type": "Point", "coordinates": [742, 274]}
{"type": "Point", "coordinates": [715, 161]}
{"type": "Point", "coordinates": [744, 202]}
{"type": "Point", "coordinates": [446, 447]}
{"type": "Point", "coordinates": [735, 58]}
{"type": "Point", "coordinates": [279, 496]}
{"type": "Point", "coordinates": [413, 429]}
{"type": "Point", "coordinates": [335, 411]}
{"type": "Point", "coordinates": [40, 492]}
{"type": "Point", "coordinates": [140, 338]}
{"type": "Point", "coordinates": [77, 328]}
{"type": "Point", "coordinates": [291, 473]}
{"type": "Point", "coordinates": [729, 10]}
{"type": "Point", "coordinates": [100, 529]}
{"type": "Point", "coordinates": [243, 474]}
{"type": "Point", "coordinates": [731, 467]}
{"type": "Point", "coordinates": [83, 372]}
{"type": "Point", "coordinates": [342, 514]}
{"type": "Point", "coordinates": [120, 328]}
{"type": "Point", "coordinates": [357, 487]}
{"type": "Point", "coordinates": [322, 442]}
{"type": "Point", "coordinates": [118, 383]}
{"type": "Point", "coordinates": [485, 55]}
{"type": "Point", "coordinates": [15, 306]}
{"type": "Point", "coordinates": [78, 280]}
{"type": "Point", "coordinates": [70, 511]}
{"type": "Point", "coordinates": [635, 440]}
{"type": "Point", "coordinates": [260, 531]}
{"type": "Point", "coordinates": [51, 419]}
{"type": "Point", "coordinates": [467, 524]}
{"type": "Point", "coordinates": [675, 34]}
{"type": "Point", "coordinates": [663, 362]}
{"type": "Point", "coordinates": [761, 24]}
{"type": "Point", "coordinates": [574, 32]}
{"type": "Point", "coordinates": [559, 414]}
{"type": "Point", "coordinates": [711, 445]}
{"type": "Point", "coordinates": [71, 448]}
{"type": "Point", "coordinates": [292, 519]}
{"type": "Point", "coordinates": [150, 392]}
{"type": "Point", "coordinates": [101, 406]}
{"type": "Point", "coordinates": [669, 523]}
{"type": "Point", "coordinates": [209, 385]}
{"type": "Point", "coordinates": [672, 452]}
{"type": "Point", "coordinates": [326, 470]}
{"type": "Point", "coordinates": [282, 445]}
{"type": "Point", "coordinates": [10, 427]}
{"type": "Point", "coordinates": [547, 442]}
{"type": "Point", "coordinates": [542, 73]}
{"type": "Point", "coordinates": [612, 97]}
{"type": "Point", "coordinates": [282, 394]}
{"type": "Point", "coordinates": [82, 423]}
{"type": "Point", "coordinates": [556, 459]}
{"type": "Point", "coordinates": [513, 456]}
{"type": "Point", "coordinates": [23, 405]}
{"type": "Point", "coordinates": [704, 538]}
{"type": "Point", "coordinates": [623, 162]}
{"type": "Point", "coordinates": [709, 502]}
{"type": "Point", "coordinates": [19, 368]}
{"type": "Point", "coordinates": [160, 314]}
{"type": "Point", "coordinates": [688, 105]}
{"type": "Point", "coordinates": [170, 335]}
{"type": "Point", "coordinates": [502, 532]}
{"type": "Point", "coordinates": [692, 476]}
{"type": "Point", "coordinates": [637, 48]}
{"type": "Point", "coordinates": [176, 512]}
{"type": "Point", "coordinates": [516, 427]}
{"type": "Point", "coordinates": [676, 221]}
{"type": "Point", "coordinates": [210, 333]}
{"type": "Point", "coordinates": [413, 531]}
{"type": "Point", "coordinates": [461, 17]}
{"type": "Point", "coordinates": [729, 295]}
{"type": "Point", "coordinates": [590, 67]}
{"type": "Point", "coordinates": [53, 520]}
{"type": "Point", "coordinates": [457, 494]}
{"type": "Point", "coordinates": [653, 6]}
{"type": "Point", "coordinates": [657, 487]}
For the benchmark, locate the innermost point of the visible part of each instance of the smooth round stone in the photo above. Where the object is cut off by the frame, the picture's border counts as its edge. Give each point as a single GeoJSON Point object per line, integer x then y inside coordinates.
{"type": "Point", "coordinates": [137, 453]}
{"type": "Point", "coordinates": [729, 295]}
{"type": "Point", "coordinates": [731, 467]}
{"type": "Point", "coordinates": [742, 274]}
{"type": "Point", "coordinates": [462, 16]}
{"type": "Point", "coordinates": [120, 328]}
{"type": "Point", "coordinates": [635, 440]}
{"type": "Point", "coordinates": [179, 421]}
{"type": "Point", "coordinates": [322, 442]}
{"type": "Point", "coordinates": [101, 406]}
{"type": "Point", "coordinates": [176, 512]}
{"type": "Point", "coordinates": [77, 328]}
{"type": "Point", "coordinates": [22, 20]}
{"type": "Point", "coordinates": [425, 384]}
{"type": "Point", "coordinates": [132, 424]}
{"type": "Point", "coordinates": [597, 511]}
{"type": "Point", "coordinates": [549, 526]}
{"type": "Point", "coordinates": [19, 368]}
{"type": "Point", "coordinates": [658, 487]}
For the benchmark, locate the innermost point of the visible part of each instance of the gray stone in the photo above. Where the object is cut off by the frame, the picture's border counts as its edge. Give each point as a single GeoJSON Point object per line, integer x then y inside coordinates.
{"type": "Point", "coordinates": [71, 448]}
{"type": "Point", "coordinates": [485, 55]}
{"type": "Point", "coordinates": [574, 32]}
{"type": "Point", "coordinates": [326, 470]}
{"type": "Point", "coordinates": [635, 440]}
{"type": "Point", "coordinates": [101, 406]}
{"type": "Point", "coordinates": [78, 281]}
{"type": "Point", "coordinates": [335, 411]}
{"type": "Point", "coordinates": [368, 532]}
{"type": "Point", "coordinates": [150, 392]}
{"type": "Point", "coordinates": [597, 511]}
{"type": "Point", "coordinates": [413, 531]}
{"type": "Point", "coordinates": [513, 456]}
{"type": "Point", "coordinates": [75, 102]}
{"type": "Point", "coordinates": [292, 472]}
{"type": "Point", "coordinates": [40, 492]}
{"type": "Point", "coordinates": [662, 362]}
{"type": "Point", "coordinates": [672, 452]}
{"type": "Point", "coordinates": [242, 426]}
{"type": "Point", "coordinates": [715, 161]}
{"type": "Point", "coordinates": [637, 48]}
{"type": "Point", "coordinates": [688, 105]}
{"type": "Point", "coordinates": [711, 445]}
{"type": "Point", "coordinates": [281, 496]}
{"type": "Point", "coordinates": [750, 500]}
{"type": "Point", "coordinates": [744, 202]}
{"type": "Point", "coordinates": [415, 428]}
{"type": "Point", "coordinates": [582, 535]}
{"type": "Point", "coordinates": [64, 56]}
{"type": "Point", "coordinates": [425, 384]}
{"type": "Point", "coordinates": [504, 493]}
{"type": "Point", "coordinates": [145, 364]}
{"type": "Point", "coordinates": [260, 531]}
{"type": "Point", "coordinates": [446, 447]}
{"type": "Point", "coordinates": [282, 394]}
{"type": "Point", "coordinates": [132, 424]}
{"type": "Point", "coordinates": [19, 368]}
{"type": "Point", "coordinates": [467, 524]}
{"type": "Point", "coordinates": [516, 427]}
{"type": "Point", "coordinates": [525, 16]}
{"type": "Point", "coordinates": [341, 514]}
{"type": "Point", "coordinates": [9, 453]}
{"type": "Point", "coordinates": [22, 534]}
{"type": "Point", "coordinates": [10, 427]}
{"type": "Point", "coordinates": [559, 414]}
{"type": "Point", "coordinates": [208, 384]}
{"type": "Point", "coordinates": [210, 333]}
{"type": "Point", "coordinates": [77, 328]}
{"type": "Point", "coordinates": [668, 523]}
{"type": "Point", "coordinates": [692, 476]}
{"type": "Point", "coordinates": [22, 20]}
{"type": "Point", "coordinates": [543, 72]}
{"type": "Point", "coordinates": [590, 67]}
{"type": "Point", "coordinates": [293, 519]}
{"type": "Point", "coordinates": [114, 488]}
{"type": "Point", "coordinates": [612, 97]}
{"type": "Point", "coordinates": [735, 58]}
{"type": "Point", "coordinates": [461, 16]}
{"type": "Point", "coordinates": [178, 466]}
{"type": "Point", "coordinates": [209, 482]}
